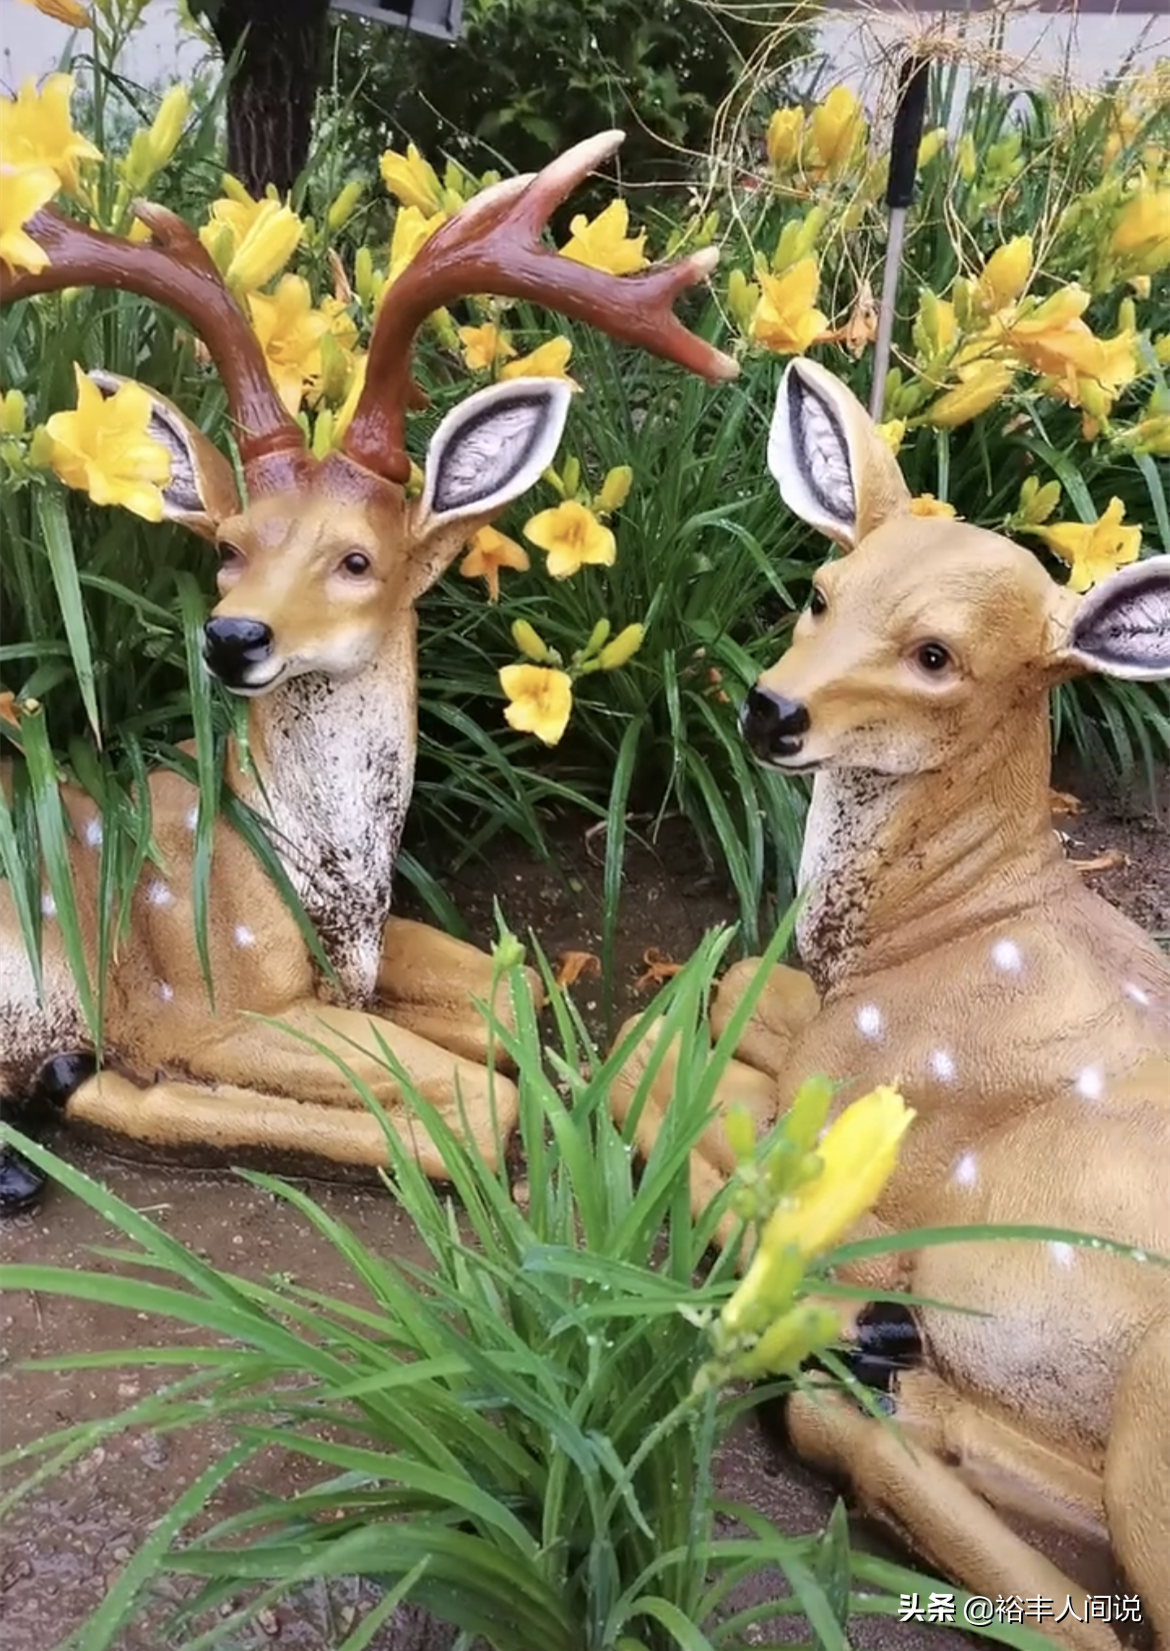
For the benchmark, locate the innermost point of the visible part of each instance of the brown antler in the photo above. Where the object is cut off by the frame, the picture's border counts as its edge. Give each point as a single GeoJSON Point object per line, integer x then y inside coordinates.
{"type": "Point", "coordinates": [492, 245]}
{"type": "Point", "coordinates": [175, 271]}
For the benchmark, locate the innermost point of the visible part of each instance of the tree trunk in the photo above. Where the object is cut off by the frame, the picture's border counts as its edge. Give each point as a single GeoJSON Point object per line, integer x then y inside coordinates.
{"type": "Point", "coordinates": [271, 97]}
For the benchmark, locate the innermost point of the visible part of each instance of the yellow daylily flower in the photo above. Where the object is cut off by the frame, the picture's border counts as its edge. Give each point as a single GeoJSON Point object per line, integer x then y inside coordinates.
{"type": "Point", "coordinates": [484, 347]}
{"type": "Point", "coordinates": [603, 243]}
{"type": "Point", "coordinates": [103, 448]}
{"type": "Point", "coordinates": [63, 11]}
{"type": "Point", "coordinates": [36, 130]}
{"type": "Point", "coordinates": [290, 331]}
{"type": "Point", "coordinates": [572, 538]}
{"type": "Point", "coordinates": [858, 1154]}
{"type": "Point", "coordinates": [1065, 349]}
{"type": "Point", "coordinates": [1094, 550]}
{"type": "Point", "coordinates": [488, 552]}
{"type": "Point", "coordinates": [152, 147]}
{"type": "Point", "coordinates": [250, 241]}
{"type": "Point", "coordinates": [413, 180]}
{"type": "Point", "coordinates": [835, 127]}
{"type": "Point", "coordinates": [546, 361]}
{"type": "Point", "coordinates": [541, 700]}
{"type": "Point", "coordinates": [24, 190]}
{"type": "Point", "coordinates": [411, 229]}
{"type": "Point", "coordinates": [974, 394]}
{"type": "Point", "coordinates": [1004, 275]}
{"type": "Point", "coordinates": [783, 140]}
{"type": "Point", "coordinates": [927, 505]}
{"type": "Point", "coordinates": [786, 318]}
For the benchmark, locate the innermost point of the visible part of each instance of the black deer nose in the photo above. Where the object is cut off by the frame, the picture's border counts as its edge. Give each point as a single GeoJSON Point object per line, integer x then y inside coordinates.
{"type": "Point", "coordinates": [229, 645]}
{"type": "Point", "coordinates": [773, 725]}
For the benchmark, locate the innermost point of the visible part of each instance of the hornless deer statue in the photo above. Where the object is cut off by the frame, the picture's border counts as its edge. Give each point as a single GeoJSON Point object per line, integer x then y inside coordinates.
{"type": "Point", "coordinates": [951, 949]}
{"type": "Point", "coordinates": [320, 567]}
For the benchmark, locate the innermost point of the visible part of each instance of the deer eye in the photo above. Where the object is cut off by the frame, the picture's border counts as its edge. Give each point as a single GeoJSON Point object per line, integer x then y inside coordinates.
{"type": "Point", "coordinates": [932, 657]}
{"type": "Point", "coordinates": [817, 602]}
{"type": "Point", "coordinates": [229, 555]}
{"type": "Point", "coordinates": [356, 563]}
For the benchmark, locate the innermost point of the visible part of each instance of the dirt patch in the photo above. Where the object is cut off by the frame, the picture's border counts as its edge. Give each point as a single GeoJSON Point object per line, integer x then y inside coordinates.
{"type": "Point", "coordinates": [66, 1542]}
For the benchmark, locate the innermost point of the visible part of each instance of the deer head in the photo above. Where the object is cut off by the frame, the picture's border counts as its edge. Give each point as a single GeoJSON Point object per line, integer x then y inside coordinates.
{"type": "Point", "coordinates": [322, 560]}
{"type": "Point", "coordinates": [927, 634]}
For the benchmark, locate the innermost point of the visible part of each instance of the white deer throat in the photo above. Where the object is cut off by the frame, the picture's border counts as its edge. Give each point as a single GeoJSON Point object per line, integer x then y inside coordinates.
{"type": "Point", "coordinates": [839, 859]}
{"type": "Point", "coordinates": [338, 776]}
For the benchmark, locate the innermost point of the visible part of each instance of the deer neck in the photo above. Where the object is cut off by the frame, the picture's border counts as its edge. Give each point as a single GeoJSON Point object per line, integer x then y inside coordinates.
{"type": "Point", "coordinates": [894, 866]}
{"type": "Point", "coordinates": [332, 770]}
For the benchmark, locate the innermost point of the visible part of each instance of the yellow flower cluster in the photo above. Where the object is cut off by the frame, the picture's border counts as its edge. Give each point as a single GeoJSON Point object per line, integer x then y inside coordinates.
{"type": "Point", "coordinates": [40, 154]}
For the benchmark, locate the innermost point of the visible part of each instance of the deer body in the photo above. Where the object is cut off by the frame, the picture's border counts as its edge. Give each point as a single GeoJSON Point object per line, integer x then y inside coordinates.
{"type": "Point", "coordinates": [320, 568]}
{"type": "Point", "coordinates": [951, 950]}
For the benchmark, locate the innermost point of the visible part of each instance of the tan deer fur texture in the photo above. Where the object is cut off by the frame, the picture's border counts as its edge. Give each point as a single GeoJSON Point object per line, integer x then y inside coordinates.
{"type": "Point", "coordinates": [320, 570]}
{"type": "Point", "coordinates": [951, 949]}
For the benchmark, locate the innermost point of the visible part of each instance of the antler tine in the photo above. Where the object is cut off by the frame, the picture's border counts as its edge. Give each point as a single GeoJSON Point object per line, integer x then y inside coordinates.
{"type": "Point", "coordinates": [492, 245]}
{"type": "Point", "coordinates": [172, 270]}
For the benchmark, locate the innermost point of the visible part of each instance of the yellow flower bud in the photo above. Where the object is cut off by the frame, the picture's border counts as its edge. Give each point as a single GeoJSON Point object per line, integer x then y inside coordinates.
{"type": "Point", "coordinates": [803, 1330]}
{"type": "Point", "coordinates": [966, 159]}
{"type": "Point", "coordinates": [615, 489]}
{"type": "Point", "coordinates": [1005, 274]}
{"type": "Point", "coordinates": [571, 477]}
{"type": "Point", "coordinates": [528, 641]}
{"type": "Point", "coordinates": [322, 442]}
{"type": "Point", "coordinates": [743, 297]}
{"type": "Point", "coordinates": [13, 413]}
{"type": "Point", "coordinates": [342, 205]}
{"type": "Point", "coordinates": [1037, 503]}
{"type": "Point", "coordinates": [785, 131]}
{"type": "Point", "coordinates": [931, 144]}
{"type": "Point", "coordinates": [597, 637]}
{"type": "Point", "coordinates": [622, 649]}
{"type": "Point", "coordinates": [740, 1129]}
{"type": "Point", "coordinates": [167, 127]}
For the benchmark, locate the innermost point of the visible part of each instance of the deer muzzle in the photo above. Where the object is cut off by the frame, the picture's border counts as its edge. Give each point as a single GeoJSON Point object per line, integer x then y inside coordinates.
{"type": "Point", "coordinates": [774, 727]}
{"type": "Point", "coordinates": [238, 651]}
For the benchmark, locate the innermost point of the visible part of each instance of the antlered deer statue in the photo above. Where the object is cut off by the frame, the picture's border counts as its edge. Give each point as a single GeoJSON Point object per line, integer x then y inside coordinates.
{"type": "Point", "coordinates": [951, 949]}
{"type": "Point", "coordinates": [320, 569]}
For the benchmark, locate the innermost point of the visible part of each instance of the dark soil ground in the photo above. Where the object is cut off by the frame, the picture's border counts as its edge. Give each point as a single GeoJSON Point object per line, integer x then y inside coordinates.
{"type": "Point", "coordinates": [65, 1542]}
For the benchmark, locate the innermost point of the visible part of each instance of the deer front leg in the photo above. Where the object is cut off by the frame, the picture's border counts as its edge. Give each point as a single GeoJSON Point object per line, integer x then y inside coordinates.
{"type": "Point", "coordinates": [273, 1056]}
{"type": "Point", "coordinates": [901, 1481]}
{"type": "Point", "coordinates": [429, 983]}
{"type": "Point", "coordinates": [783, 1010]}
{"type": "Point", "coordinates": [173, 1114]}
{"type": "Point", "coordinates": [713, 1161]}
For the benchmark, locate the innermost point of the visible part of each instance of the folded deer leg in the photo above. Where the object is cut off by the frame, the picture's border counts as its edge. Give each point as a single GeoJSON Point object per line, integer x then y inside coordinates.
{"type": "Point", "coordinates": [311, 1050]}
{"type": "Point", "coordinates": [430, 983]}
{"type": "Point", "coordinates": [901, 1481]}
{"type": "Point", "coordinates": [784, 1008]}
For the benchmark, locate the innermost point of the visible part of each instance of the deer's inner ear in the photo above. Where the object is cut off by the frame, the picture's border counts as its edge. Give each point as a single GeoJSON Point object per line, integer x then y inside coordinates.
{"type": "Point", "coordinates": [491, 448]}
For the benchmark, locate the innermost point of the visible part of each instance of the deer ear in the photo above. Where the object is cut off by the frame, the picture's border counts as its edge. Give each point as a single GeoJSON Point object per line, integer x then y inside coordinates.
{"type": "Point", "coordinates": [490, 449]}
{"type": "Point", "coordinates": [833, 469]}
{"type": "Point", "coordinates": [202, 490]}
{"type": "Point", "coordinates": [1122, 626]}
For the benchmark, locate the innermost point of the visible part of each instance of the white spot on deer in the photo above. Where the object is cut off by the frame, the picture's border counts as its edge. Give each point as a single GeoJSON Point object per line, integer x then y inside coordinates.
{"type": "Point", "coordinates": [243, 936]}
{"type": "Point", "coordinates": [1006, 955]}
{"type": "Point", "coordinates": [48, 905]}
{"type": "Point", "coordinates": [1090, 1084]}
{"type": "Point", "coordinates": [942, 1065]}
{"type": "Point", "coordinates": [1136, 993]}
{"type": "Point", "coordinates": [869, 1020]}
{"type": "Point", "coordinates": [92, 831]}
{"type": "Point", "coordinates": [191, 818]}
{"type": "Point", "coordinates": [1063, 1254]}
{"type": "Point", "coordinates": [166, 992]}
{"type": "Point", "coordinates": [966, 1170]}
{"type": "Point", "coordinates": [159, 894]}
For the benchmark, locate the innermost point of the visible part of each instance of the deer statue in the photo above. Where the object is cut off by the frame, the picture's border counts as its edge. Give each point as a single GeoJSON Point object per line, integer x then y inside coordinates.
{"type": "Point", "coordinates": [952, 949]}
{"type": "Point", "coordinates": [320, 567]}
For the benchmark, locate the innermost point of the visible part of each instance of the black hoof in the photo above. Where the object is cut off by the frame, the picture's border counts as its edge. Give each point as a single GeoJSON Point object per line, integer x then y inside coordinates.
{"type": "Point", "coordinates": [887, 1343]}
{"type": "Point", "coordinates": [61, 1076]}
{"type": "Point", "coordinates": [20, 1184]}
